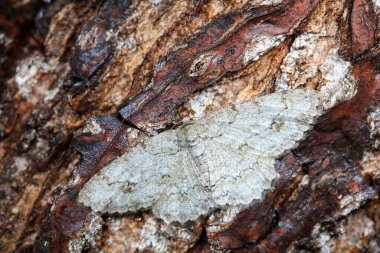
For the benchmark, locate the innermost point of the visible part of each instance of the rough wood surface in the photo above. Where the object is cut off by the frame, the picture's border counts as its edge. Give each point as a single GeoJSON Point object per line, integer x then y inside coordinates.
{"type": "Point", "coordinates": [82, 82]}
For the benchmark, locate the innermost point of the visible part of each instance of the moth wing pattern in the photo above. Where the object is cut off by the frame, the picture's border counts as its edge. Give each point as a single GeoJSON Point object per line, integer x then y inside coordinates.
{"type": "Point", "coordinates": [268, 126]}
{"type": "Point", "coordinates": [234, 177]}
{"type": "Point", "coordinates": [185, 196]}
{"type": "Point", "coordinates": [134, 181]}
{"type": "Point", "coordinates": [237, 146]}
{"type": "Point", "coordinates": [226, 158]}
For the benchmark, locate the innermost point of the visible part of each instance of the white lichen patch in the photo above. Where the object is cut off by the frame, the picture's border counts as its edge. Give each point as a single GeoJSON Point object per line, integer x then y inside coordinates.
{"type": "Point", "coordinates": [5, 41]}
{"type": "Point", "coordinates": [50, 94]}
{"type": "Point", "coordinates": [327, 245]}
{"type": "Point", "coordinates": [155, 1]}
{"type": "Point", "coordinates": [374, 121]}
{"type": "Point", "coordinates": [25, 72]}
{"type": "Point", "coordinates": [350, 202]}
{"type": "Point", "coordinates": [221, 219]}
{"type": "Point", "coordinates": [313, 61]}
{"type": "Point", "coordinates": [29, 77]}
{"type": "Point", "coordinates": [297, 67]}
{"type": "Point", "coordinates": [88, 236]}
{"type": "Point", "coordinates": [370, 165]}
{"type": "Point", "coordinates": [145, 233]}
{"type": "Point", "coordinates": [92, 127]}
{"type": "Point", "coordinates": [43, 148]}
{"type": "Point", "coordinates": [264, 2]}
{"type": "Point", "coordinates": [260, 45]}
{"type": "Point", "coordinates": [199, 104]}
{"type": "Point", "coordinates": [21, 164]}
{"type": "Point", "coordinates": [158, 237]}
{"type": "Point", "coordinates": [338, 84]}
{"type": "Point", "coordinates": [225, 159]}
{"type": "Point", "coordinates": [351, 233]}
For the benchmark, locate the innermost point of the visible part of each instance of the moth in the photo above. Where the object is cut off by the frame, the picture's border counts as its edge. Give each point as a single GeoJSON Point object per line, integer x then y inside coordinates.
{"type": "Point", "coordinates": [225, 159]}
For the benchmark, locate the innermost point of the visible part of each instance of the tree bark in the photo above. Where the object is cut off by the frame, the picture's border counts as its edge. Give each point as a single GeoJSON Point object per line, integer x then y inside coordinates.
{"type": "Point", "coordinates": [131, 69]}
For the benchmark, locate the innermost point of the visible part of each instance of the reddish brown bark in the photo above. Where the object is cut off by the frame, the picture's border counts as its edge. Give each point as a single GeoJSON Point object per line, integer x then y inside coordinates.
{"type": "Point", "coordinates": [102, 62]}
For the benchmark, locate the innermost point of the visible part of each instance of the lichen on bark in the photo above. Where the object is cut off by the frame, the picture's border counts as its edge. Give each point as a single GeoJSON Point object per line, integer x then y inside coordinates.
{"type": "Point", "coordinates": [65, 63]}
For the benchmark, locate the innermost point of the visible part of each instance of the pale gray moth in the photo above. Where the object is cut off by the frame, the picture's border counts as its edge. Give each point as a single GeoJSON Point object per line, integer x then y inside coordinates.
{"type": "Point", "coordinates": [224, 159]}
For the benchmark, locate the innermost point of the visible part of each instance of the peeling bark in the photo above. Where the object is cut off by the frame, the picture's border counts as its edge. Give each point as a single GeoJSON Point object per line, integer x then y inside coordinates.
{"type": "Point", "coordinates": [84, 82]}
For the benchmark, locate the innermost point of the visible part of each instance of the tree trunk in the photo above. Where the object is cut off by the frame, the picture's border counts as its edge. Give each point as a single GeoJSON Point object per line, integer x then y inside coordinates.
{"type": "Point", "coordinates": [83, 82]}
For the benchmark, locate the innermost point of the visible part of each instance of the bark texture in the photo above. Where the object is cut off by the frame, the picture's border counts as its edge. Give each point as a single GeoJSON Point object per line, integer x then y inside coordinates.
{"type": "Point", "coordinates": [84, 81]}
